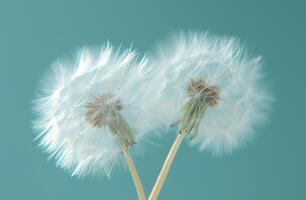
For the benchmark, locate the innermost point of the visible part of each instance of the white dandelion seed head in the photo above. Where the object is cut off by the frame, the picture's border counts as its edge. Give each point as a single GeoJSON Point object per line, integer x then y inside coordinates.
{"type": "Point", "coordinates": [65, 122]}
{"type": "Point", "coordinates": [224, 64]}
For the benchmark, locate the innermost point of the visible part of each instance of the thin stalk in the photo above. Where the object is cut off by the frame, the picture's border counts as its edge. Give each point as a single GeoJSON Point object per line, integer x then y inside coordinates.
{"type": "Point", "coordinates": [166, 166]}
{"type": "Point", "coordinates": [134, 174]}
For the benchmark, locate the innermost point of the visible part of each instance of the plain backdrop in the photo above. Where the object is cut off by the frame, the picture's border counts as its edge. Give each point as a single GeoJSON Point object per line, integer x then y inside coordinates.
{"type": "Point", "coordinates": [35, 33]}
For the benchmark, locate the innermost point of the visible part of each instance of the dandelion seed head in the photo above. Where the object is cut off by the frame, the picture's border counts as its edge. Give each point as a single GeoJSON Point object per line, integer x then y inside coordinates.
{"type": "Point", "coordinates": [196, 64]}
{"type": "Point", "coordinates": [90, 108]}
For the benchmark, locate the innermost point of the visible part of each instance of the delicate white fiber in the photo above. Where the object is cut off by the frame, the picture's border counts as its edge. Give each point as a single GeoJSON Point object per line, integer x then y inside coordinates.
{"type": "Point", "coordinates": [64, 133]}
{"type": "Point", "coordinates": [222, 62]}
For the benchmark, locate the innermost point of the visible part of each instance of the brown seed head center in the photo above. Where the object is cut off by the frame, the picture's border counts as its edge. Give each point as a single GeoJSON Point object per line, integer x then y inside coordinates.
{"type": "Point", "coordinates": [102, 109]}
{"type": "Point", "coordinates": [203, 91]}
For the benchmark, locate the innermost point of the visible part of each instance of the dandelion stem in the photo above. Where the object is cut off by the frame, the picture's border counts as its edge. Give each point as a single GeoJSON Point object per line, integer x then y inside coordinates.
{"type": "Point", "coordinates": [166, 166]}
{"type": "Point", "coordinates": [134, 174]}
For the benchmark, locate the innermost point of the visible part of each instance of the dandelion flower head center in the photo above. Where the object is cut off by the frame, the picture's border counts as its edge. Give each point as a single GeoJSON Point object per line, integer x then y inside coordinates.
{"type": "Point", "coordinates": [102, 109]}
{"type": "Point", "coordinates": [201, 90]}
{"type": "Point", "coordinates": [202, 95]}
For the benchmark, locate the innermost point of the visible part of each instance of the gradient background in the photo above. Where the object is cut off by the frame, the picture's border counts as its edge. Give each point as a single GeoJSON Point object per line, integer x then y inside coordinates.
{"type": "Point", "coordinates": [34, 33]}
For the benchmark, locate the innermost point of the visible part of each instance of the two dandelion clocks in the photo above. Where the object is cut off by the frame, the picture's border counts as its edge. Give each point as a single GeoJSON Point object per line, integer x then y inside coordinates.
{"type": "Point", "coordinates": [97, 108]}
{"type": "Point", "coordinates": [90, 109]}
{"type": "Point", "coordinates": [214, 92]}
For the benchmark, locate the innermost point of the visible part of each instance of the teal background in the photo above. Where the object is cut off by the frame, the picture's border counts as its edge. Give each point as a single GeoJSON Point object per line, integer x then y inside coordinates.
{"type": "Point", "coordinates": [34, 33]}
